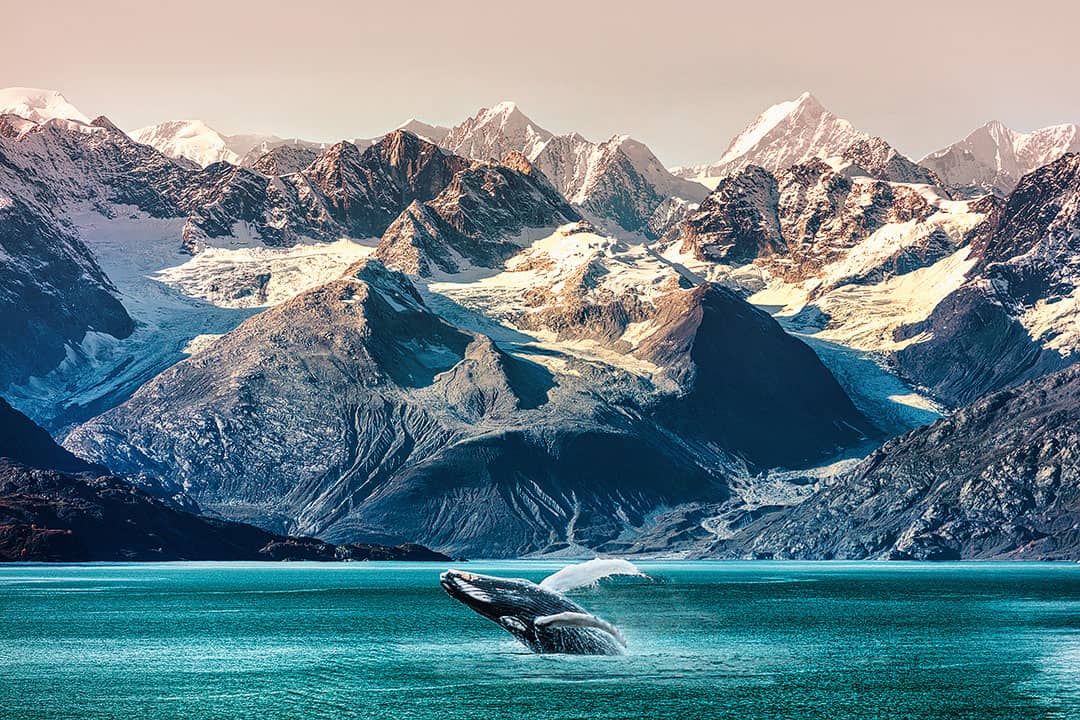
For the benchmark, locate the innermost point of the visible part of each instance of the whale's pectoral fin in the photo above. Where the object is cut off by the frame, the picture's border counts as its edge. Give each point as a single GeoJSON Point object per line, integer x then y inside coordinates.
{"type": "Point", "coordinates": [573, 619]}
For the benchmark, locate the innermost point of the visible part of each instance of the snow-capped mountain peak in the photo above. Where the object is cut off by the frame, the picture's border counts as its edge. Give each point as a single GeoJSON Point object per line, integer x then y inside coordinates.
{"type": "Point", "coordinates": [502, 112]}
{"type": "Point", "coordinates": [196, 141]}
{"type": "Point", "coordinates": [767, 121]}
{"type": "Point", "coordinates": [994, 157]}
{"type": "Point", "coordinates": [432, 133]}
{"type": "Point", "coordinates": [38, 105]}
{"type": "Point", "coordinates": [191, 139]}
{"type": "Point", "coordinates": [785, 134]}
{"type": "Point", "coordinates": [495, 131]}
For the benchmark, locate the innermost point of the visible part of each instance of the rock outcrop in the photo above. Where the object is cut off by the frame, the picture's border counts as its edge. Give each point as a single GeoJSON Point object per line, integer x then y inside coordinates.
{"type": "Point", "coordinates": [480, 218]}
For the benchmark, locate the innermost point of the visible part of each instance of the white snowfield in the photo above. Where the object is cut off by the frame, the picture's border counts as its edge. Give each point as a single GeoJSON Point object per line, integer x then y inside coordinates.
{"type": "Point", "coordinates": [257, 277]}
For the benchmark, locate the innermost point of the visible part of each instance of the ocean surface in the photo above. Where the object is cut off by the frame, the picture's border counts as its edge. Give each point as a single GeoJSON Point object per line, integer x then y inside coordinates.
{"type": "Point", "coordinates": [382, 640]}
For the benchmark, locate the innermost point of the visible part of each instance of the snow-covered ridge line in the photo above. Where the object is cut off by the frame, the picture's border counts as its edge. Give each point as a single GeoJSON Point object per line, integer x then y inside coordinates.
{"type": "Point", "coordinates": [994, 157]}
{"type": "Point", "coordinates": [38, 105]}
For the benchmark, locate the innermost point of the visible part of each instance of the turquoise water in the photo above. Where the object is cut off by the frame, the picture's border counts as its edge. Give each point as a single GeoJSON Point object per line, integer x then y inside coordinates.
{"type": "Point", "coordinates": [382, 640]}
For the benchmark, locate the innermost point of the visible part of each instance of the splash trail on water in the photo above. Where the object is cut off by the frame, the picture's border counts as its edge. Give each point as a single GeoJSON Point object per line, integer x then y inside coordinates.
{"type": "Point", "coordinates": [588, 573]}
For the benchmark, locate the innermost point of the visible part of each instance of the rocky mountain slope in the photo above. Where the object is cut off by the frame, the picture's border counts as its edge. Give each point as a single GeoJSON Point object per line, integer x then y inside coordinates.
{"type": "Point", "coordinates": [1017, 316]}
{"type": "Point", "coordinates": [55, 507]}
{"type": "Point", "coordinates": [572, 324]}
{"type": "Point", "coordinates": [478, 219]}
{"type": "Point", "coordinates": [344, 192]}
{"type": "Point", "coordinates": [432, 133]}
{"type": "Point", "coordinates": [960, 297]}
{"type": "Point", "coordinates": [25, 443]}
{"type": "Point", "coordinates": [811, 219]}
{"type": "Point", "coordinates": [994, 157]}
{"type": "Point", "coordinates": [997, 480]}
{"type": "Point", "coordinates": [283, 158]}
{"type": "Point", "coordinates": [67, 184]}
{"type": "Point", "coordinates": [354, 412]}
{"type": "Point", "coordinates": [52, 292]}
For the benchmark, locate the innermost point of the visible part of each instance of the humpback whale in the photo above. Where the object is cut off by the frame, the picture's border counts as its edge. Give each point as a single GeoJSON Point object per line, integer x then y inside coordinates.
{"type": "Point", "coordinates": [538, 615]}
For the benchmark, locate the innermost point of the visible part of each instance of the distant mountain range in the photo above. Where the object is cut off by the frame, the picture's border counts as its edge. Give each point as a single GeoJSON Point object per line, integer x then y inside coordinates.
{"type": "Point", "coordinates": [994, 158]}
{"type": "Point", "coordinates": [619, 181]}
{"type": "Point", "coordinates": [499, 341]}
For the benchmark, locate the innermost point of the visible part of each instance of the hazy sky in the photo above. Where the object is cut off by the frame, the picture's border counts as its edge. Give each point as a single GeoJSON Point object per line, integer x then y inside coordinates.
{"type": "Point", "coordinates": [683, 77]}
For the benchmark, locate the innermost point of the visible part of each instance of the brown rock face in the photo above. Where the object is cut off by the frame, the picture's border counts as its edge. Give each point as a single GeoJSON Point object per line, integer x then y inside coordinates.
{"type": "Point", "coordinates": [476, 219]}
{"type": "Point", "coordinates": [797, 221]}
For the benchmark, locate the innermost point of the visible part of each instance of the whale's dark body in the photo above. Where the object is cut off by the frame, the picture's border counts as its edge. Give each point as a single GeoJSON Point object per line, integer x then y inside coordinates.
{"type": "Point", "coordinates": [542, 620]}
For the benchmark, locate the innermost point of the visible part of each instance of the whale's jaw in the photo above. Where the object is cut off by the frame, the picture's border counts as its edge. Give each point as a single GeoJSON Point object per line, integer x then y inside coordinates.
{"type": "Point", "coordinates": [542, 620]}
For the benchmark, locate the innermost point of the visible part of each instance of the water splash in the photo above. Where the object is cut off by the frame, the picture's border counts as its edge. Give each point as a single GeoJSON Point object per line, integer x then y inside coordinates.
{"type": "Point", "coordinates": [588, 573]}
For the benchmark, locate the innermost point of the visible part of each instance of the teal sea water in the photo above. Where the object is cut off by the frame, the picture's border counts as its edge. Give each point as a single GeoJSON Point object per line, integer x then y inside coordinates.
{"type": "Point", "coordinates": [382, 640]}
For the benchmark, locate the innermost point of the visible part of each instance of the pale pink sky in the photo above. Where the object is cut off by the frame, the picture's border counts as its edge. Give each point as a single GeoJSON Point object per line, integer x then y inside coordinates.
{"type": "Point", "coordinates": [683, 77]}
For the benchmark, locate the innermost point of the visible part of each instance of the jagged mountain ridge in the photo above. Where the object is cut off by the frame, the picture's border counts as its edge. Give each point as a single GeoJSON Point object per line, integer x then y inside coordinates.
{"type": "Point", "coordinates": [91, 171]}
{"type": "Point", "coordinates": [619, 181]}
{"type": "Point", "coordinates": [476, 219]}
{"type": "Point", "coordinates": [868, 234]}
{"type": "Point", "coordinates": [494, 132]}
{"type": "Point", "coordinates": [284, 158]}
{"type": "Point", "coordinates": [960, 297]}
{"type": "Point", "coordinates": [1016, 317]}
{"type": "Point", "coordinates": [993, 158]}
{"type": "Point", "coordinates": [797, 131]}
{"type": "Point", "coordinates": [993, 282]}
{"type": "Point", "coordinates": [799, 221]}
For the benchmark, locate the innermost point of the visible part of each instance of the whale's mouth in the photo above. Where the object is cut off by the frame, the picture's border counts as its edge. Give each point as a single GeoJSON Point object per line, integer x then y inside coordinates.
{"type": "Point", "coordinates": [463, 586]}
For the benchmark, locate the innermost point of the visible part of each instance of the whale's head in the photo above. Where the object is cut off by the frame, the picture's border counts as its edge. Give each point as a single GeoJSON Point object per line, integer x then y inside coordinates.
{"type": "Point", "coordinates": [504, 600]}
{"type": "Point", "coordinates": [541, 619]}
